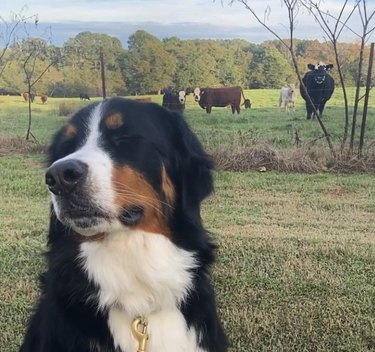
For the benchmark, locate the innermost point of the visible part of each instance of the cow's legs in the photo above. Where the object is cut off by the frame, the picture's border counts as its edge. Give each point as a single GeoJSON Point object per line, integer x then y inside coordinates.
{"type": "Point", "coordinates": [321, 108]}
{"type": "Point", "coordinates": [238, 108]}
{"type": "Point", "coordinates": [309, 110]}
{"type": "Point", "coordinates": [208, 109]}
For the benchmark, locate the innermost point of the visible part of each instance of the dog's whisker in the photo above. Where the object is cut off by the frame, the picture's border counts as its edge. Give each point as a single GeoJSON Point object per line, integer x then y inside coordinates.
{"type": "Point", "coordinates": [129, 191]}
{"type": "Point", "coordinates": [143, 198]}
{"type": "Point", "coordinates": [151, 205]}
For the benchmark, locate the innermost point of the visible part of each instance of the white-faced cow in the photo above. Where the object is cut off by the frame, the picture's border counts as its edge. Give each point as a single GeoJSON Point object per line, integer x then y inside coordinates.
{"type": "Point", "coordinates": [221, 97]}
{"type": "Point", "coordinates": [287, 97]}
{"type": "Point", "coordinates": [174, 101]}
{"type": "Point", "coordinates": [320, 86]}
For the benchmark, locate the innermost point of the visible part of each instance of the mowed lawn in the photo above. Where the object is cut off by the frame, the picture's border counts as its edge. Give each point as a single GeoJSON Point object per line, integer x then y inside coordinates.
{"type": "Point", "coordinates": [296, 252]}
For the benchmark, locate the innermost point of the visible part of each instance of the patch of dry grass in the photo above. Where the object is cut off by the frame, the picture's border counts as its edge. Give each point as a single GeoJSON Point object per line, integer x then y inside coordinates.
{"type": "Point", "coordinates": [302, 159]}
{"type": "Point", "coordinates": [16, 145]}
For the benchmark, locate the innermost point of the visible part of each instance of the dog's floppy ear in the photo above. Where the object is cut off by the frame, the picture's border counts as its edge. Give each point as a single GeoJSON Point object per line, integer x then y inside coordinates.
{"type": "Point", "coordinates": [194, 177]}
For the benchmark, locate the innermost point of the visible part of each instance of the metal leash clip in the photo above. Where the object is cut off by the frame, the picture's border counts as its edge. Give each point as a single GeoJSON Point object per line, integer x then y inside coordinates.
{"type": "Point", "coordinates": [139, 331]}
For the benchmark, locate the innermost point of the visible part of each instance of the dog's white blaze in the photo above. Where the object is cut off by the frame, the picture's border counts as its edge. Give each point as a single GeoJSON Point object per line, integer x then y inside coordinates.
{"type": "Point", "coordinates": [142, 273]}
{"type": "Point", "coordinates": [99, 174]}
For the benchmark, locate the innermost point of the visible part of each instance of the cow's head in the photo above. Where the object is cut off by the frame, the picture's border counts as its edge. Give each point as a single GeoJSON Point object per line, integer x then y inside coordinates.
{"type": "Point", "coordinates": [197, 94]}
{"type": "Point", "coordinates": [320, 71]}
{"type": "Point", "coordinates": [182, 96]}
{"type": "Point", "coordinates": [292, 89]}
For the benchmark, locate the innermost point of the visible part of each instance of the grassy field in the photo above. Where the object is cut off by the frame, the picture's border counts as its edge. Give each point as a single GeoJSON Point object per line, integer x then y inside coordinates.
{"type": "Point", "coordinates": [263, 124]}
{"type": "Point", "coordinates": [296, 258]}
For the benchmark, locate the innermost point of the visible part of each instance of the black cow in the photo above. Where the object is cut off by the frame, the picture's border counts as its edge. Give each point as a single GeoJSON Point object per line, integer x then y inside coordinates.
{"type": "Point", "coordinates": [320, 86]}
{"type": "Point", "coordinates": [209, 97]}
{"type": "Point", "coordinates": [84, 96]}
{"type": "Point", "coordinates": [174, 101]}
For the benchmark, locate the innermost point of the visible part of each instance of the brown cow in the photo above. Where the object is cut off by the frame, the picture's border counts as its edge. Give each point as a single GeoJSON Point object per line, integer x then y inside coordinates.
{"type": "Point", "coordinates": [26, 97]}
{"type": "Point", "coordinates": [44, 98]}
{"type": "Point", "coordinates": [209, 97]}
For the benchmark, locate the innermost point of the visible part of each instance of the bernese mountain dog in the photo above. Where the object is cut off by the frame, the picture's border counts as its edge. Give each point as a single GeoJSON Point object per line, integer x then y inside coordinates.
{"type": "Point", "coordinates": [128, 259]}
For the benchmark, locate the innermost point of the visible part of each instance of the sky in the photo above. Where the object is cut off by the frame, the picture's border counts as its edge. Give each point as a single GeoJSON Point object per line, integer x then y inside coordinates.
{"type": "Point", "coordinates": [186, 19]}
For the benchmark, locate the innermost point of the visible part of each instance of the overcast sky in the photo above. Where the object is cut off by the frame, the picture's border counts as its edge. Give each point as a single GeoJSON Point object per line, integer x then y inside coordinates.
{"type": "Point", "coordinates": [186, 19]}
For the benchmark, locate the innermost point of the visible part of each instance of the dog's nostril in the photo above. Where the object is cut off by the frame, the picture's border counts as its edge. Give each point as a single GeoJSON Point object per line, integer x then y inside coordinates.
{"type": "Point", "coordinates": [72, 175]}
{"type": "Point", "coordinates": [50, 181]}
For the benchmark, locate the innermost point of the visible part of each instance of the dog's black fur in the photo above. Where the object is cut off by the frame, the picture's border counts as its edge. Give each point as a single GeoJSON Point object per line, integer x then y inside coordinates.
{"type": "Point", "coordinates": [66, 317]}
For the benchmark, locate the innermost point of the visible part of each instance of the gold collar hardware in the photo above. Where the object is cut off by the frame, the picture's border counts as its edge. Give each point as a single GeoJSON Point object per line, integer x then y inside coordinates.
{"type": "Point", "coordinates": [139, 331]}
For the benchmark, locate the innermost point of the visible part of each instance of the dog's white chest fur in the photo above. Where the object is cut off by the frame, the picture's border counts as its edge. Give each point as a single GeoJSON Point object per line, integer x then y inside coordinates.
{"type": "Point", "coordinates": [142, 274]}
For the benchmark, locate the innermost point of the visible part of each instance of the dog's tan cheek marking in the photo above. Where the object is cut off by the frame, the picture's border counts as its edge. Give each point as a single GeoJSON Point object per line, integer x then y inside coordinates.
{"type": "Point", "coordinates": [114, 121]}
{"type": "Point", "coordinates": [167, 187]}
{"type": "Point", "coordinates": [131, 189]}
{"type": "Point", "coordinates": [70, 131]}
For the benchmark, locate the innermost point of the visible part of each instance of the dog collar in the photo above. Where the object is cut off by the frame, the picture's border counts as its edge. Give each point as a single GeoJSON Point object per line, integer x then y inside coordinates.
{"type": "Point", "coordinates": [139, 331]}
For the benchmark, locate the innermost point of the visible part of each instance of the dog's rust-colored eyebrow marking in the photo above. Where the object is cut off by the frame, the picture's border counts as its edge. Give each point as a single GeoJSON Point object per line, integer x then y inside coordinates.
{"type": "Point", "coordinates": [70, 131]}
{"type": "Point", "coordinates": [114, 120]}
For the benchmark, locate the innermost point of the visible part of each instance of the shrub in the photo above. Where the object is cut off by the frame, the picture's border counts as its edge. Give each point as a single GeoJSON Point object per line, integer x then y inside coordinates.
{"type": "Point", "coordinates": [307, 160]}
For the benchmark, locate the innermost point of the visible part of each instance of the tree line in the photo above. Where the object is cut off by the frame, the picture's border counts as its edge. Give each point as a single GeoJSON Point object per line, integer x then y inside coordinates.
{"type": "Point", "coordinates": [148, 64]}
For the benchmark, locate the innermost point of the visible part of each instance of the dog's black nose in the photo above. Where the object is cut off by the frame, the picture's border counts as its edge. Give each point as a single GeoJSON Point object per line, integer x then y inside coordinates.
{"type": "Point", "coordinates": [64, 176]}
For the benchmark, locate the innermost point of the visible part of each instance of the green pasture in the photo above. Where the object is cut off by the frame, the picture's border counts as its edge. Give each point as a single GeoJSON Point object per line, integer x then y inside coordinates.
{"type": "Point", "coordinates": [296, 255]}
{"type": "Point", "coordinates": [263, 124]}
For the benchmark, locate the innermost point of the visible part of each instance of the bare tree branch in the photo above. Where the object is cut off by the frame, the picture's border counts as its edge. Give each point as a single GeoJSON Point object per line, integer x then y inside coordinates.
{"type": "Point", "coordinates": [344, 23]}
{"type": "Point", "coordinates": [34, 52]}
{"type": "Point", "coordinates": [292, 8]}
{"type": "Point", "coordinates": [333, 35]}
{"type": "Point", "coordinates": [8, 32]}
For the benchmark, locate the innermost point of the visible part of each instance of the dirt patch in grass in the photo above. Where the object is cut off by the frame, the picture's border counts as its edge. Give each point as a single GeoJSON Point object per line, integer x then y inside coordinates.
{"type": "Point", "coordinates": [307, 160]}
{"type": "Point", "coordinates": [10, 146]}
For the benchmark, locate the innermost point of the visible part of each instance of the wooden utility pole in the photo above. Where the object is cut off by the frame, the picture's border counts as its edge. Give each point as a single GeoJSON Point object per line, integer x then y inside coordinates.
{"type": "Point", "coordinates": [102, 70]}
{"type": "Point", "coordinates": [365, 104]}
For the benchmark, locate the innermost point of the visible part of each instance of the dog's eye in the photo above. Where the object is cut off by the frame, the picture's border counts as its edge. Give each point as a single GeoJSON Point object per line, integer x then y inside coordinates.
{"type": "Point", "coordinates": [123, 138]}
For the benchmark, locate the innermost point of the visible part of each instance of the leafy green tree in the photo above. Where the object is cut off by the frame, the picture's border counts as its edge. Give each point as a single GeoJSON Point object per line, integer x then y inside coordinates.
{"type": "Point", "coordinates": [81, 65]}
{"type": "Point", "coordinates": [147, 66]}
{"type": "Point", "coordinates": [11, 79]}
{"type": "Point", "coordinates": [269, 69]}
{"type": "Point", "coordinates": [233, 65]}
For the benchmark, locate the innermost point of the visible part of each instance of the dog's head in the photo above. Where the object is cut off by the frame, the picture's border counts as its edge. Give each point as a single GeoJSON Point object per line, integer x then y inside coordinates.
{"type": "Point", "coordinates": [122, 164]}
